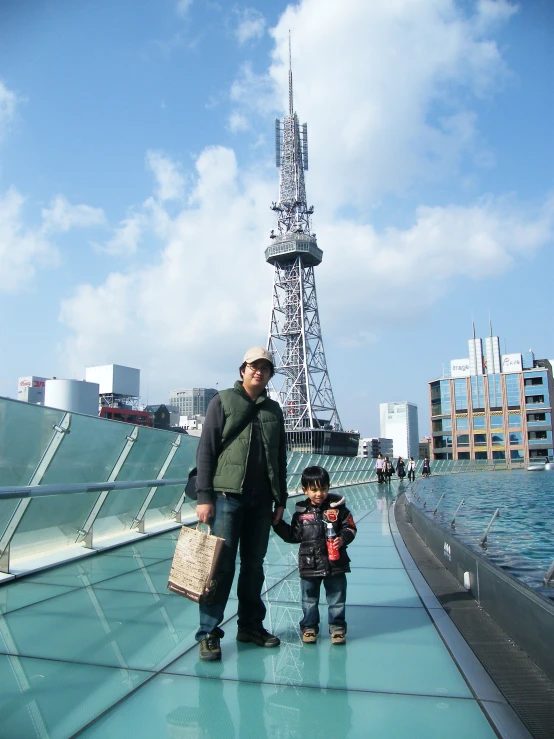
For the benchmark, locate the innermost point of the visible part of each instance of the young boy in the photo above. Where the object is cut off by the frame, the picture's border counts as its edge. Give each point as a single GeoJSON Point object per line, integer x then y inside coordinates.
{"type": "Point", "coordinates": [323, 526]}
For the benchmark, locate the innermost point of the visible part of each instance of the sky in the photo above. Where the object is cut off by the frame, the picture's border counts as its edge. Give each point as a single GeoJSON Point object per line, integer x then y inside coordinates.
{"type": "Point", "coordinates": [137, 168]}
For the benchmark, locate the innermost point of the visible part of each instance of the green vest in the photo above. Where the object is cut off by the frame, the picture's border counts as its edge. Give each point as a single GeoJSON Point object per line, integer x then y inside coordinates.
{"type": "Point", "coordinates": [231, 463]}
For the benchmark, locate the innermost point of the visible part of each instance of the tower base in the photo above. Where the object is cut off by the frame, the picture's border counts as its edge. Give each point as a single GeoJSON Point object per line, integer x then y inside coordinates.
{"type": "Point", "coordinates": [320, 441]}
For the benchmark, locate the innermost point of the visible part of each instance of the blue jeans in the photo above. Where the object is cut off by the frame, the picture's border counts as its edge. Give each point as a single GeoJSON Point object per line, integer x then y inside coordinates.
{"type": "Point", "coordinates": [335, 590]}
{"type": "Point", "coordinates": [243, 521]}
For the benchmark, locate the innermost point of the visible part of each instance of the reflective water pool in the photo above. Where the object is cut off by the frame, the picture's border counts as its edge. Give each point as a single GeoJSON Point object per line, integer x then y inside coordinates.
{"type": "Point", "coordinates": [521, 539]}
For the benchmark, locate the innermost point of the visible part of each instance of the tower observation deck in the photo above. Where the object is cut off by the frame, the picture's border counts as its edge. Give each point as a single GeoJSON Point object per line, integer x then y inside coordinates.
{"type": "Point", "coordinates": [301, 382]}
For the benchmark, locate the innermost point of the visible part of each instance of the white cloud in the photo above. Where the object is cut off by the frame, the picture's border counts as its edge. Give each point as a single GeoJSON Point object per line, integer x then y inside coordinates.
{"type": "Point", "coordinates": [387, 87]}
{"type": "Point", "coordinates": [251, 25]}
{"type": "Point", "coordinates": [8, 103]}
{"type": "Point", "coordinates": [398, 274]}
{"type": "Point", "coordinates": [206, 285]}
{"type": "Point", "coordinates": [183, 7]}
{"type": "Point", "coordinates": [170, 182]}
{"type": "Point", "coordinates": [22, 249]}
{"type": "Point", "coordinates": [207, 288]}
{"type": "Point", "coordinates": [126, 237]}
{"type": "Point", "coordinates": [62, 216]}
{"type": "Point", "coordinates": [238, 122]}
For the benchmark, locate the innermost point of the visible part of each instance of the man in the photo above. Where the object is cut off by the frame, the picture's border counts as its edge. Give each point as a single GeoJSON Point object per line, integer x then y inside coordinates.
{"type": "Point", "coordinates": [241, 491]}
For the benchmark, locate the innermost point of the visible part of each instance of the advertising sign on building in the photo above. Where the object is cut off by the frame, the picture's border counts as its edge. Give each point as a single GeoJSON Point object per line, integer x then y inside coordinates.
{"type": "Point", "coordinates": [511, 363]}
{"type": "Point", "coordinates": [459, 367]}
{"type": "Point", "coordinates": [31, 389]}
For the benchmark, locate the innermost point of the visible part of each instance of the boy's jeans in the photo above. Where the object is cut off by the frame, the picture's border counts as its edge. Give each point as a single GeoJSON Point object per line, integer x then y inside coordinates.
{"type": "Point", "coordinates": [335, 590]}
{"type": "Point", "coordinates": [243, 520]}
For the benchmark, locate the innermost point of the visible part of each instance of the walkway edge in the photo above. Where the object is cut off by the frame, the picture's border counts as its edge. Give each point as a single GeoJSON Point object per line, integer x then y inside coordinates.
{"type": "Point", "coordinates": [499, 712]}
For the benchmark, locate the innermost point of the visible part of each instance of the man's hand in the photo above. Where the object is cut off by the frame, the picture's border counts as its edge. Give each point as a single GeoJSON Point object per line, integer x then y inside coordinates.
{"type": "Point", "coordinates": [278, 514]}
{"type": "Point", "coordinates": [205, 511]}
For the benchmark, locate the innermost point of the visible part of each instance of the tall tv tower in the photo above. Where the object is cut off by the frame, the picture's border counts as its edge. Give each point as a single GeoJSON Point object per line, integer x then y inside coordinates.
{"type": "Point", "coordinates": [301, 382]}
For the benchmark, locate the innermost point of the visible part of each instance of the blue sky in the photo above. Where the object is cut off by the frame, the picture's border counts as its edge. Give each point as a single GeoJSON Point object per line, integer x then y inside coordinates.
{"type": "Point", "coordinates": [137, 170]}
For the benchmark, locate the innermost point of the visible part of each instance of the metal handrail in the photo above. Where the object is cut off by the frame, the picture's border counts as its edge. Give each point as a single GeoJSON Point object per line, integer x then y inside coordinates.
{"type": "Point", "coordinates": [35, 491]}
{"type": "Point", "coordinates": [483, 541]}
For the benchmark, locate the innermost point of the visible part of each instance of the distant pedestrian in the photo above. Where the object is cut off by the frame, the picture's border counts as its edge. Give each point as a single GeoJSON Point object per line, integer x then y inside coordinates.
{"type": "Point", "coordinates": [388, 469]}
{"type": "Point", "coordinates": [426, 469]}
{"type": "Point", "coordinates": [411, 469]}
{"type": "Point", "coordinates": [379, 468]}
{"type": "Point", "coordinates": [400, 469]}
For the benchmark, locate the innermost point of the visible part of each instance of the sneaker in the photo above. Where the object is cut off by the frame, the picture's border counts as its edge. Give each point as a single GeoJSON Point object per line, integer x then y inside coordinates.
{"type": "Point", "coordinates": [338, 636]}
{"type": "Point", "coordinates": [309, 636]}
{"type": "Point", "coordinates": [210, 649]}
{"type": "Point", "coordinates": [261, 637]}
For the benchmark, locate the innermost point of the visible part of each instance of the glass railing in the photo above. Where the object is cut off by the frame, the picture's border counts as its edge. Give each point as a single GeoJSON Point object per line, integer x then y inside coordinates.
{"type": "Point", "coordinates": [109, 482]}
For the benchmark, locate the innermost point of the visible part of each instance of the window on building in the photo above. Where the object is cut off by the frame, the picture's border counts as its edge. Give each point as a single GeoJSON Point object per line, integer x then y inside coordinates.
{"type": "Point", "coordinates": [533, 381]}
{"type": "Point", "coordinates": [460, 394]}
{"type": "Point", "coordinates": [516, 453]}
{"type": "Point", "coordinates": [536, 417]}
{"type": "Point", "coordinates": [477, 392]}
{"type": "Point", "coordinates": [463, 455]}
{"type": "Point", "coordinates": [462, 423]}
{"type": "Point", "coordinates": [530, 399]}
{"type": "Point", "coordinates": [512, 390]}
{"type": "Point", "coordinates": [516, 437]}
{"type": "Point", "coordinates": [498, 454]}
{"type": "Point", "coordinates": [497, 422]}
{"type": "Point", "coordinates": [462, 440]}
{"type": "Point", "coordinates": [479, 422]}
{"type": "Point", "coordinates": [514, 419]}
{"type": "Point", "coordinates": [480, 439]}
{"type": "Point", "coordinates": [534, 435]}
{"type": "Point", "coordinates": [495, 391]}
{"type": "Point", "coordinates": [445, 396]}
{"type": "Point", "coordinates": [497, 439]}
{"type": "Point", "coordinates": [481, 455]}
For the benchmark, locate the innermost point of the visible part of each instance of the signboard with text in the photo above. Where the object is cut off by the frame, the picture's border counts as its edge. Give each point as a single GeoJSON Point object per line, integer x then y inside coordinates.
{"type": "Point", "coordinates": [511, 363]}
{"type": "Point", "coordinates": [459, 368]}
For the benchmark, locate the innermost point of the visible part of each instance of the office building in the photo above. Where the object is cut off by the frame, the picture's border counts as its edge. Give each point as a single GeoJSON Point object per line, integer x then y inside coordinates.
{"type": "Point", "coordinates": [371, 447]}
{"type": "Point", "coordinates": [191, 401]}
{"type": "Point", "coordinates": [492, 406]}
{"type": "Point", "coordinates": [425, 447]}
{"type": "Point", "coordinates": [399, 423]}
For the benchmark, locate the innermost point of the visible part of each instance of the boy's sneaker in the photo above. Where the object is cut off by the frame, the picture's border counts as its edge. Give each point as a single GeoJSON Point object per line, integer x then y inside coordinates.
{"type": "Point", "coordinates": [261, 637]}
{"type": "Point", "coordinates": [338, 636]}
{"type": "Point", "coordinates": [210, 649]}
{"type": "Point", "coordinates": [309, 636]}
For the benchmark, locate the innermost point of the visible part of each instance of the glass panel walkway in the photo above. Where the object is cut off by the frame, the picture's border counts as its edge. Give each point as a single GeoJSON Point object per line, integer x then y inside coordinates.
{"type": "Point", "coordinates": [100, 648]}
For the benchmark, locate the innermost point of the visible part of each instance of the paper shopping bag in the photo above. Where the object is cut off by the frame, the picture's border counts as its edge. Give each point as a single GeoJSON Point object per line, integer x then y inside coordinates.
{"type": "Point", "coordinates": [194, 563]}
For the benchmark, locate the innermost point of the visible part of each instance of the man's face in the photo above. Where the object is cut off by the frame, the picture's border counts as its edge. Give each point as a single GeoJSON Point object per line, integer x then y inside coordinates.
{"type": "Point", "coordinates": [256, 376]}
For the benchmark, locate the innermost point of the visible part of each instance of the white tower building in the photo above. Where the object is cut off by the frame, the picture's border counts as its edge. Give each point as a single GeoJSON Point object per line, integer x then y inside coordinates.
{"type": "Point", "coordinates": [399, 423]}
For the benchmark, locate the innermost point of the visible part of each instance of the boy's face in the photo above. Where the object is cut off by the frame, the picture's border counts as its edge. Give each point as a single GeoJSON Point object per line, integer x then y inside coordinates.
{"type": "Point", "coordinates": [316, 495]}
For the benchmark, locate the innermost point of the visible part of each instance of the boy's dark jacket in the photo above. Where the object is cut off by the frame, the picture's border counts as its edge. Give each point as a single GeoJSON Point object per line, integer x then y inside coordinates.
{"type": "Point", "coordinates": [308, 527]}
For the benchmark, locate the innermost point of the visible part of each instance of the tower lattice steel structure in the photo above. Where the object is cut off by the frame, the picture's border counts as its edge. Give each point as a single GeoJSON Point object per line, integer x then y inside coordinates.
{"type": "Point", "coordinates": [301, 382]}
